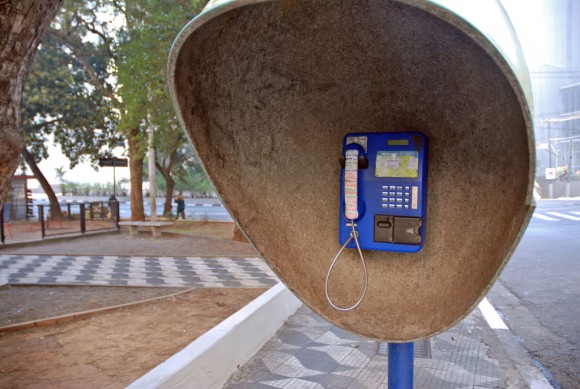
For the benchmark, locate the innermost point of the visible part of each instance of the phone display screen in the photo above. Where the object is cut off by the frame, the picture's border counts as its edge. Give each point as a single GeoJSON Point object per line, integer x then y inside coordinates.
{"type": "Point", "coordinates": [397, 164]}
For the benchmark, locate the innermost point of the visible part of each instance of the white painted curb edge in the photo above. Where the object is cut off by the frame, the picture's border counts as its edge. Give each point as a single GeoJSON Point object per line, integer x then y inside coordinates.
{"type": "Point", "coordinates": [209, 361]}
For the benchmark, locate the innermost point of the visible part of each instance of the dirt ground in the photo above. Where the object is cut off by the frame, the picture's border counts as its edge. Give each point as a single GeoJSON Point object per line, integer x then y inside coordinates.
{"type": "Point", "coordinates": [112, 349]}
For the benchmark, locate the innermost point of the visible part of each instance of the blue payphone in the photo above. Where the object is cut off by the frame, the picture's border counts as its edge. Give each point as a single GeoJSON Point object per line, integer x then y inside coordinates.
{"type": "Point", "coordinates": [383, 190]}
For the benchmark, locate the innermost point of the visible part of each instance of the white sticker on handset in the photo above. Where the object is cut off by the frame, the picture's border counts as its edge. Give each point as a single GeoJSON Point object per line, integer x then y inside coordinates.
{"type": "Point", "coordinates": [350, 184]}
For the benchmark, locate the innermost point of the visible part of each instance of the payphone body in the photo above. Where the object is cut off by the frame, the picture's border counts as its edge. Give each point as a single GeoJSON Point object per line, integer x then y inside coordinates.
{"type": "Point", "coordinates": [387, 192]}
{"type": "Point", "coordinates": [380, 66]}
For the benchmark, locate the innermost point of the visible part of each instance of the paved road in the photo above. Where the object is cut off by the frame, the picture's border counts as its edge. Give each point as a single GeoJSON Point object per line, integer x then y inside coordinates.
{"type": "Point", "coordinates": [195, 209]}
{"type": "Point", "coordinates": [539, 291]}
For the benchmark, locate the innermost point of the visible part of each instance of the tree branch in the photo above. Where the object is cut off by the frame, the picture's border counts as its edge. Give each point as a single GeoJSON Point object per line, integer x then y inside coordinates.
{"type": "Point", "coordinates": [37, 126]}
{"type": "Point", "coordinates": [91, 28]}
{"type": "Point", "coordinates": [76, 46]}
{"type": "Point", "coordinates": [164, 172]}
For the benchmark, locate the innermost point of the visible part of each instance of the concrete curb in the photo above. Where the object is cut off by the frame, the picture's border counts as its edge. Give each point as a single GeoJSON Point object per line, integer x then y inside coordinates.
{"type": "Point", "coordinates": [209, 361]}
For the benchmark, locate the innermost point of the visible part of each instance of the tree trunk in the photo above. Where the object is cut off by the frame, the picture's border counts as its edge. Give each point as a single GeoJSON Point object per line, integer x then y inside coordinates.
{"type": "Point", "coordinates": [136, 155]}
{"type": "Point", "coordinates": [169, 185]}
{"type": "Point", "coordinates": [168, 195]}
{"type": "Point", "coordinates": [55, 212]}
{"type": "Point", "coordinates": [22, 24]}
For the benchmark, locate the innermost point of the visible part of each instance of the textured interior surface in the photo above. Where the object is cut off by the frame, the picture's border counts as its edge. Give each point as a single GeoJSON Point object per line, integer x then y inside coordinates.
{"type": "Point", "coordinates": [268, 93]}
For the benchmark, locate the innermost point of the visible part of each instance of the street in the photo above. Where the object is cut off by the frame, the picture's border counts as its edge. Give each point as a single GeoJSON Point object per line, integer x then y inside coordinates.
{"type": "Point", "coordinates": [538, 293]}
{"type": "Point", "coordinates": [195, 208]}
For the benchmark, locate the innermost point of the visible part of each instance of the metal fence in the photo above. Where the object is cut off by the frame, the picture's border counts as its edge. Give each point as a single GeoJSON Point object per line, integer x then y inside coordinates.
{"type": "Point", "coordinates": [68, 218]}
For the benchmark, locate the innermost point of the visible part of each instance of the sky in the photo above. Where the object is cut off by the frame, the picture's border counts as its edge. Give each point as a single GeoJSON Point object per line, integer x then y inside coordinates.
{"type": "Point", "coordinates": [525, 15]}
{"type": "Point", "coordinates": [82, 173]}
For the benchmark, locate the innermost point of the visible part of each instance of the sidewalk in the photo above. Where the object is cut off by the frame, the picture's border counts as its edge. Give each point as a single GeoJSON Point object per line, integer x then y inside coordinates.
{"type": "Point", "coordinates": [308, 352]}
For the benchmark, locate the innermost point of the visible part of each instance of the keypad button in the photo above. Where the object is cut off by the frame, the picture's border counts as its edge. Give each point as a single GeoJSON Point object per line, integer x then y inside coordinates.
{"type": "Point", "coordinates": [385, 194]}
{"type": "Point", "coordinates": [385, 200]}
{"type": "Point", "coordinates": [399, 194]}
{"type": "Point", "coordinates": [391, 205]}
{"type": "Point", "coordinates": [391, 187]}
{"type": "Point", "coordinates": [407, 194]}
{"type": "Point", "coordinates": [407, 188]}
{"type": "Point", "coordinates": [385, 187]}
{"type": "Point", "coordinates": [392, 193]}
{"type": "Point", "coordinates": [399, 200]}
{"type": "Point", "coordinates": [406, 206]}
{"type": "Point", "coordinates": [406, 200]}
{"type": "Point", "coordinates": [399, 188]}
{"type": "Point", "coordinates": [385, 205]}
{"type": "Point", "coordinates": [391, 200]}
{"type": "Point", "coordinates": [399, 206]}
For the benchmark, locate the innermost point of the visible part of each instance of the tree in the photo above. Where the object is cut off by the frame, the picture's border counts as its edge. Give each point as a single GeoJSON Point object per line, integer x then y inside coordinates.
{"type": "Point", "coordinates": [136, 56]}
{"type": "Point", "coordinates": [143, 52]}
{"type": "Point", "coordinates": [60, 172]}
{"type": "Point", "coordinates": [85, 37]}
{"type": "Point", "coordinates": [22, 24]}
{"type": "Point", "coordinates": [58, 99]}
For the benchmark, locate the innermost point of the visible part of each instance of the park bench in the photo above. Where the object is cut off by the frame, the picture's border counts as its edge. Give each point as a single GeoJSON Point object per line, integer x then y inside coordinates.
{"type": "Point", "coordinates": [155, 227]}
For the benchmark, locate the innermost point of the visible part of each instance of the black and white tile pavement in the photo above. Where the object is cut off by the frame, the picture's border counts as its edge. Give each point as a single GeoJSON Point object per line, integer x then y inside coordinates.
{"type": "Point", "coordinates": [215, 272]}
{"type": "Point", "coordinates": [309, 352]}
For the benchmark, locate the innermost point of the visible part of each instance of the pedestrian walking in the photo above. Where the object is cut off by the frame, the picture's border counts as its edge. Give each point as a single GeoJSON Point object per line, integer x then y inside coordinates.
{"type": "Point", "coordinates": [180, 206]}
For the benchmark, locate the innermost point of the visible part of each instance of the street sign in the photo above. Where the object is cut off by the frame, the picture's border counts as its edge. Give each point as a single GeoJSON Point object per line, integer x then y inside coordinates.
{"type": "Point", "coordinates": [114, 162]}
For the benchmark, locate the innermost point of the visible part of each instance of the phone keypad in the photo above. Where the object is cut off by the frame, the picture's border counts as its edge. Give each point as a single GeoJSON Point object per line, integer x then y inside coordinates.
{"type": "Point", "coordinates": [399, 197]}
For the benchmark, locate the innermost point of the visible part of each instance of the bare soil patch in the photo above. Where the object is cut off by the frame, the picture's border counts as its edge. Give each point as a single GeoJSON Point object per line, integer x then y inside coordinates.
{"type": "Point", "coordinates": [113, 349]}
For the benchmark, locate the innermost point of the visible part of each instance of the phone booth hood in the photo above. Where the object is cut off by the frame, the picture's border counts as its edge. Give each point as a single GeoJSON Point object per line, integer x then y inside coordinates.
{"type": "Point", "coordinates": [267, 90]}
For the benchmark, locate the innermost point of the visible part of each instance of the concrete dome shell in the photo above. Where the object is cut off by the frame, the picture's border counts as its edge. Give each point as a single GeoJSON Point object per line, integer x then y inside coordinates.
{"type": "Point", "coordinates": [267, 92]}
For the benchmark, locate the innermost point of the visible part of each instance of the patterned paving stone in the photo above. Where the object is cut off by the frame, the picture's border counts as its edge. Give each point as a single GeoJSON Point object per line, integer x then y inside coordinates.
{"type": "Point", "coordinates": [324, 356]}
{"type": "Point", "coordinates": [250, 272]}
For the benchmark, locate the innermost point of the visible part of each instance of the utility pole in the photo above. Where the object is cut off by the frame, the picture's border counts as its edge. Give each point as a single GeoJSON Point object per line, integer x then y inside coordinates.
{"type": "Point", "coordinates": [551, 184]}
{"type": "Point", "coordinates": [152, 183]}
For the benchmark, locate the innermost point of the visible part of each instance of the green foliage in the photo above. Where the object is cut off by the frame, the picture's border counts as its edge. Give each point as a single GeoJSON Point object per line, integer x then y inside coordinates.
{"type": "Point", "coordinates": [60, 172]}
{"type": "Point", "coordinates": [71, 188]}
{"type": "Point", "coordinates": [64, 97]}
{"type": "Point", "coordinates": [141, 58]}
{"type": "Point", "coordinates": [190, 177]}
{"type": "Point", "coordinates": [96, 81]}
{"type": "Point", "coordinates": [195, 181]}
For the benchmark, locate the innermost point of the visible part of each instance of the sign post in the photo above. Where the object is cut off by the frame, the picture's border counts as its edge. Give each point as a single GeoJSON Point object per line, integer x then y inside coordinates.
{"type": "Point", "coordinates": [114, 162]}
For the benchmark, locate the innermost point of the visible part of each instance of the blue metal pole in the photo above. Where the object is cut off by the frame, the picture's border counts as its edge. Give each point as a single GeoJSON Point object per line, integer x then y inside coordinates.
{"type": "Point", "coordinates": [401, 356]}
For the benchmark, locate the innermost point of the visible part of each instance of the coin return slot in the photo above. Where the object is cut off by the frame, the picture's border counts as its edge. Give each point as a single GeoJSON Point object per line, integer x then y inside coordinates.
{"type": "Point", "coordinates": [391, 229]}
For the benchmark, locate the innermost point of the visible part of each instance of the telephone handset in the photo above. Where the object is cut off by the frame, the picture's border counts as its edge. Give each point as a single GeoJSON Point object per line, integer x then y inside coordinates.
{"type": "Point", "coordinates": [351, 183]}
{"type": "Point", "coordinates": [383, 195]}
